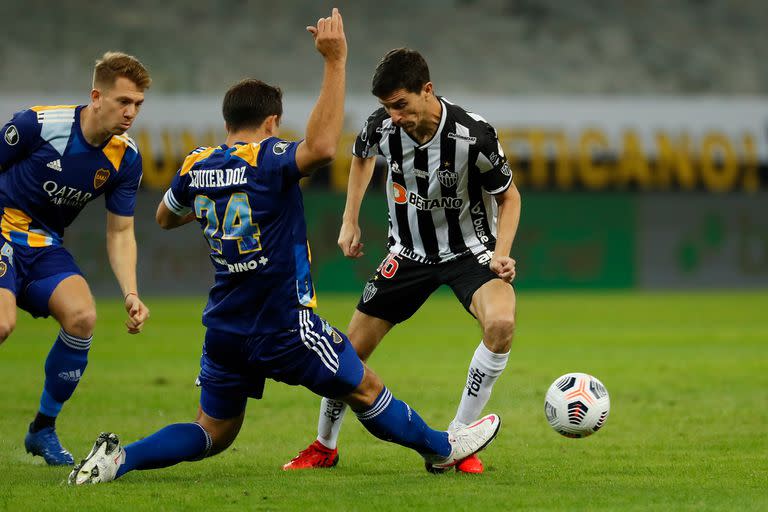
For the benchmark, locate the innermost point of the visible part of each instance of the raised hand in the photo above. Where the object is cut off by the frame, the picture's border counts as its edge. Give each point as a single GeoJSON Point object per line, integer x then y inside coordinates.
{"type": "Point", "coordinates": [329, 37]}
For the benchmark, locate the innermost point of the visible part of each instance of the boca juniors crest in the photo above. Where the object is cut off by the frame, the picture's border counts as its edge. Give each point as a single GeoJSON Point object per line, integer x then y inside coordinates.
{"type": "Point", "coordinates": [3, 268]}
{"type": "Point", "coordinates": [100, 178]}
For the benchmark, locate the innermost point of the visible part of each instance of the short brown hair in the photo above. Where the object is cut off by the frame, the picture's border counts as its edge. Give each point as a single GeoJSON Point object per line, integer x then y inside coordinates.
{"type": "Point", "coordinates": [401, 68]}
{"type": "Point", "coordinates": [113, 65]}
{"type": "Point", "coordinates": [249, 102]}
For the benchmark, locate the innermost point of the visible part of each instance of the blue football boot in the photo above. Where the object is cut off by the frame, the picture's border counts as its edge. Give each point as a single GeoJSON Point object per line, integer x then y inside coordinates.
{"type": "Point", "coordinates": [45, 443]}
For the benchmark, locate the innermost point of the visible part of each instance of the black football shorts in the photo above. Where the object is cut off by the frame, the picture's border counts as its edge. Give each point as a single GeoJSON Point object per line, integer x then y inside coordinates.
{"type": "Point", "coordinates": [400, 285]}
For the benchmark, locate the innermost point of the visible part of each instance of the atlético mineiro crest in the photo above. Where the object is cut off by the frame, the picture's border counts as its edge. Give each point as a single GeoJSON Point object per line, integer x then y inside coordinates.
{"type": "Point", "coordinates": [369, 291]}
{"type": "Point", "coordinates": [447, 177]}
{"type": "Point", "coordinates": [100, 178]}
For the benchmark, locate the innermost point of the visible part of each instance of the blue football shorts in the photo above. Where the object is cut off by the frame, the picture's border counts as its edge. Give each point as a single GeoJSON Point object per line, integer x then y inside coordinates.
{"type": "Point", "coordinates": [32, 273]}
{"type": "Point", "coordinates": [315, 355]}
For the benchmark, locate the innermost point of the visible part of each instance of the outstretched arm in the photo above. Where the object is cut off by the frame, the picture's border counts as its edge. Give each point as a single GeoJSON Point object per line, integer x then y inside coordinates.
{"type": "Point", "coordinates": [360, 174]}
{"type": "Point", "coordinates": [325, 122]}
{"type": "Point", "coordinates": [509, 217]}
{"type": "Point", "coordinates": [121, 249]}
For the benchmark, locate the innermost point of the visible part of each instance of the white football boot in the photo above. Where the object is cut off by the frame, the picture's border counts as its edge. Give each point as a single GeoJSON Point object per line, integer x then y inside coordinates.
{"type": "Point", "coordinates": [101, 464]}
{"type": "Point", "coordinates": [465, 441]}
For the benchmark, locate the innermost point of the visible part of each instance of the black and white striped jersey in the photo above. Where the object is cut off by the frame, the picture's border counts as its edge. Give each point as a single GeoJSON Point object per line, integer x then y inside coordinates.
{"type": "Point", "coordinates": [440, 193]}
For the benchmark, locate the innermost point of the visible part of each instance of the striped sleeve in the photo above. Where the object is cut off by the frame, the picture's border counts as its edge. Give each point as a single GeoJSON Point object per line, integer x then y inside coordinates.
{"type": "Point", "coordinates": [174, 205]}
{"type": "Point", "coordinates": [176, 197]}
{"type": "Point", "coordinates": [495, 173]}
{"type": "Point", "coordinates": [367, 142]}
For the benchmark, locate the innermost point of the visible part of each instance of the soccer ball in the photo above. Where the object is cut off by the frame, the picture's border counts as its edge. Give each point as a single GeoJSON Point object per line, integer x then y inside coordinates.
{"type": "Point", "coordinates": [577, 405]}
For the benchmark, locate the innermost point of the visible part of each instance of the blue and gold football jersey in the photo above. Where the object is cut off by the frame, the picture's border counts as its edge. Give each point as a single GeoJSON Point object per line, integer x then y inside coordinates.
{"type": "Point", "coordinates": [248, 202]}
{"type": "Point", "coordinates": [49, 172]}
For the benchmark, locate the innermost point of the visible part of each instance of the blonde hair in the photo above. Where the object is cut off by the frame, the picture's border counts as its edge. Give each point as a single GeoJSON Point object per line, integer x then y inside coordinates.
{"type": "Point", "coordinates": [113, 65]}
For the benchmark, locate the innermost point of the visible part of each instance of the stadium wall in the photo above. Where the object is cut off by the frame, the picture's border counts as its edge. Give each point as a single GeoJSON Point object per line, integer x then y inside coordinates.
{"type": "Point", "coordinates": [584, 241]}
{"type": "Point", "coordinates": [618, 192]}
{"type": "Point", "coordinates": [648, 144]}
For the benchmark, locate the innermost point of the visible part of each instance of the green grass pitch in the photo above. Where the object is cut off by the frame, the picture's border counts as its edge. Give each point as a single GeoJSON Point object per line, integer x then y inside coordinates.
{"type": "Point", "coordinates": [688, 428]}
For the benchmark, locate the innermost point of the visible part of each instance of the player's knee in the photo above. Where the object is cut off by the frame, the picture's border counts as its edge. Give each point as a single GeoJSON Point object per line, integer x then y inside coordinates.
{"type": "Point", "coordinates": [81, 322]}
{"type": "Point", "coordinates": [221, 432]}
{"type": "Point", "coordinates": [498, 333]}
{"type": "Point", "coordinates": [6, 328]}
{"type": "Point", "coordinates": [366, 392]}
{"type": "Point", "coordinates": [219, 444]}
{"type": "Point", "coordinates": [222, 438]}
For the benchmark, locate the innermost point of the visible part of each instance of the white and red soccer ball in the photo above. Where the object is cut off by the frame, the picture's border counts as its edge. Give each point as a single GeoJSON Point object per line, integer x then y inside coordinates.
{"type": "Point", "coordinates": [577, 405]}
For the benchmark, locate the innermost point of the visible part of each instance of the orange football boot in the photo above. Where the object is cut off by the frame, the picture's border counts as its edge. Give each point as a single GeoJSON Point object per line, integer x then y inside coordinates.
{"type": "Point", "coordinates": [314, 456]}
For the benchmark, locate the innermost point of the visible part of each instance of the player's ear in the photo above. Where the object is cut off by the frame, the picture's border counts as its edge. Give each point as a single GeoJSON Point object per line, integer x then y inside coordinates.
{"type": "Point", "coordinates": [428, 88]}
{"type": "Point", "coordinates": [272, 124]}
{"type": "Point", "coordinates": [96, 97]}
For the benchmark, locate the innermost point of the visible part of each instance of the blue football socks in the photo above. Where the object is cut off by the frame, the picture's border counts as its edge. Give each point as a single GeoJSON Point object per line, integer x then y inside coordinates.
{"type": "Point", "coordinates": [64, 367]}
{"type": "Point", "coordinates": [392, 420]}
{"type": "Point", "coordinates": [168, 446]}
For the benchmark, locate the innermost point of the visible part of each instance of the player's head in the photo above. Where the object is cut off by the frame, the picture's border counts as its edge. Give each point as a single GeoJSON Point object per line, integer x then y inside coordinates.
{"type": "Point", "coordinates": [251, 104]}
{"type": "Point", "coordinates": [119, 81]}
{"type": "Point", "coordinates": [401, 82]}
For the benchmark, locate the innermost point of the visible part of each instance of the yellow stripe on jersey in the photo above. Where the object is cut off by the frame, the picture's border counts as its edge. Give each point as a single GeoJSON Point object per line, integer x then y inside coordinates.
{"type": "Point", "coordinates": [115, 150]}
{"type": "Point", "coordinates": [40, 108]}
{"type": "Point", "coordinates": [312, 303]}
{"type": "Point", "coordinates": [248, 152]}
{"type": "Point", "coordinates": [16, 221]}
{"type": "Point", "coordinates": [194, 158]}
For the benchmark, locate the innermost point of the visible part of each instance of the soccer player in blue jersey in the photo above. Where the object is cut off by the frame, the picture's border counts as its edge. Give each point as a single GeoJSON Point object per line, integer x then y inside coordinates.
{"type": "Point", "coordinates": [53, 161]}
{"type": "Point", "coordinates": [259, 318]}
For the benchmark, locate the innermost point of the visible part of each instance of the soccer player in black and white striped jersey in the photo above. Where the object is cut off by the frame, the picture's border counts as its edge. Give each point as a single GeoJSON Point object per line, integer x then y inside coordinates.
{"type": "Point", "coordinates": [453, 215]}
